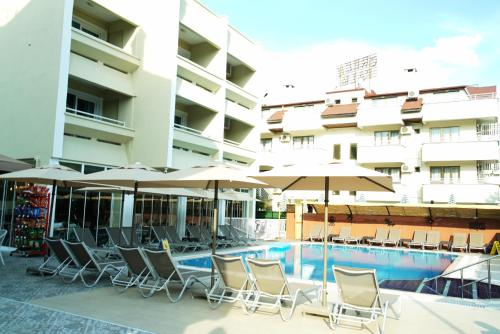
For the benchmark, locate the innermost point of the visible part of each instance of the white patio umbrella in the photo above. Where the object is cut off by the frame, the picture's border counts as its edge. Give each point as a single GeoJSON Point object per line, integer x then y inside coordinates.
{"type": "Point", "coordinates": [131, 176]}
{"type": "Point", "coordinates": [333, 176]}
{"type": "Point", "coordinates": [53, 174]}
{"type": "Point", "coordinates": [208, 177]}
{"type": "Point", "coordinates": [11, 165]}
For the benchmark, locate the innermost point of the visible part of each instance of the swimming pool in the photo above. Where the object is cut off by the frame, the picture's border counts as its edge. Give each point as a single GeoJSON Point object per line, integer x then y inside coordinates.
{"type": "Point", "coordinates": [305, 261]}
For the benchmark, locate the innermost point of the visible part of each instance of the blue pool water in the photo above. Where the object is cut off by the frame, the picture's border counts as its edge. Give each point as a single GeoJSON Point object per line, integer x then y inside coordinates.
{"type": "Point", "coordinates": [305, 261]}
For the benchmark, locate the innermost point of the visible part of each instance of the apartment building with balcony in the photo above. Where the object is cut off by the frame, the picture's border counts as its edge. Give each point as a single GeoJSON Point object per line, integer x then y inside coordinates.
{"type": "Point", "coordinates": [438, 144]}
{"type": "Point", "coordinates": [94, 84]}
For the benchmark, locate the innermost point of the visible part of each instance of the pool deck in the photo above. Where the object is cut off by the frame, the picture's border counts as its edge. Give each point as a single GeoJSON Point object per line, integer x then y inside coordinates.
{"type": "Point", "coordinates": [38, 304]}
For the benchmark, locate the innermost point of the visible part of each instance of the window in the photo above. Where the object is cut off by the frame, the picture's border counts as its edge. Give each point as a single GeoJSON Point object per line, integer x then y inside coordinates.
{"type": "Point", "coordinates": [394, 172]}
{"type": "Point", "coordinates": [354, 100]}
{"type": "Point", "coordinates": [352, 193]}
{"type": "Point", "coordinates": [445, 174]}
{"type": "Point", "coordinates": [180, 118]}
{"type": "Point", "coordinates": [88, 169]}
{"type": "Point", "coordinates": [303, 142]}
{"type": "Point", "coordinates": [266, 144]}
{"type": "Point", "coordinates": [337, 101]}
{"type": "Point", "coordinates": [336, 151]}
{"type": "Point", "coordinates": [78, 102]}
{"type": "Point", "coordinates": [386, 138]}
{"type": "Point", "coordinates": [88, 28]}
{"type": "Point", "coordinates": [354, 152]}
{"type": "Point", "coordinates": [448, 134]}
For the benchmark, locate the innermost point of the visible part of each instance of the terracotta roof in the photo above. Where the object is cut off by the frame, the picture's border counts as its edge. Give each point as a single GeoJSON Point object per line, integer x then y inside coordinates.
{"type": "Point", "coordinates": [293, 104]}
{"type": "Point", "coordinates": [481, 90]}
{"type": "Point", "coordinates": [277, 117]}
{"type": "Point", "coordinates": [415, 104]}
{"type": "Point", "coordinates": [276, 130]}
{"type": "Point", "coordinates": [340, 110]}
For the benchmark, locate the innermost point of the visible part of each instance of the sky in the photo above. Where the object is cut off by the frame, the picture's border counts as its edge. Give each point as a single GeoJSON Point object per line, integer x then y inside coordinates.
{"type": "Point", "coordinates": [449, 42]}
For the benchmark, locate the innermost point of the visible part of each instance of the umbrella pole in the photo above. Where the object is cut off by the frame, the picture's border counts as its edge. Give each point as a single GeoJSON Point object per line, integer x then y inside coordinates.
{"type": "Point", "coordinates": [84, 208]}
{"type": "Point", "coordinates": [133, 215]}
{"type": "Point", "coordinates": [152, 215]}
{"type": "Point", "coordinates": [214, 227]}
{"type": "Point", "coordinates": [121, 218]}
{"type": "Point", "coordinates": [161, 209]}
{"type": "Point", "coordinates": [325, 244]}
{"type": "Point", "coordinates": [69, 212]}
{"type": "Point", "coordinates": [98, 213]}
{"type": "Point", "coordinates": [51, 209]}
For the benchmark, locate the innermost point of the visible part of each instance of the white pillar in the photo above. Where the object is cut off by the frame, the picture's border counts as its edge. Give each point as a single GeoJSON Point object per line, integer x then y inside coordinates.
{"type": "Point", "coordinates": [181, 215]}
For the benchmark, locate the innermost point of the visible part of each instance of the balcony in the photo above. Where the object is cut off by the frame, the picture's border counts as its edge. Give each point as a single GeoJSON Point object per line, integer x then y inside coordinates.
{"type": "Point", "coordinates": [201, 20]}
{"type": "Point", "coordinates": [237, 152]}
{"type": "Point", "coordinates": [94, 126]}
{"type": "Point", "coordinates": [460, 151]}
{"type": "Point", "coordinates": [242, 48]}
{"type": "Point", "coordinates": [101, 75]}
{"type": "Point", "coordinates": [371, 116]}
{"type": "Point", "coordinates": [460, 193]}
{"type": "Point", "coordinates": [338, 122]}
{"type": "Point", "coordinates": [381, 154]}
{"type": "Point", "coordinates": [239, 73]}
{"type": "Point", "coordinates": [102, 51]}
{"type": "Point", "coordinates": [291, 157]}
{"type": "Point", "coordinates": [239, 112]}
{"type": "Point", "coordinates": [302, 120]}
{"type": "Point", "coordinates": [195, 92]}
{"type": "Point", "coordinates": [197, 73]}
{"type": "Point", "coordinates": [194, 139]}
{"type": "Point", "coordinates": [239, 95]}
{"type": "Point", "coordinates": [185, 158]}
{"type": "Point", "coordinates": [460, 110]}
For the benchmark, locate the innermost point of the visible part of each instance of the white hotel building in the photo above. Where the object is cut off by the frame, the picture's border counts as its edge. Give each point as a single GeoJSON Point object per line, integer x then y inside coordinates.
{"type": "Point", "coordinates": [438, 144]}
{"type": "Point", "coordinates": [99, 83]}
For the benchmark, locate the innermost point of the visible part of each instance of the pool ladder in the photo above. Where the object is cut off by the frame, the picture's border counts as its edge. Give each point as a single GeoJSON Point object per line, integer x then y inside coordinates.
{"type": "Point", "coordinates": [462, 286]}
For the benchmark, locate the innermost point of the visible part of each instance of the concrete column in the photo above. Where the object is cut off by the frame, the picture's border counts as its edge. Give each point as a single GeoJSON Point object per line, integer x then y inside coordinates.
{"type": "Point", "coordinates": [181, 215]}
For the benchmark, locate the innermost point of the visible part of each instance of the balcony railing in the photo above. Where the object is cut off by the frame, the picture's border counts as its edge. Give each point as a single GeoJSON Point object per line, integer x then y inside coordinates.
{"type": "Point", "coordinates": [487, 131]}
{"type": "Point", "coordinates": [96, 117]}
{"type": "Point", "coordinates": [483, 96]}
{"type": "Point", "coordinates": [188, 129]}
{"type": "Point", "coordinates": [231, 142]}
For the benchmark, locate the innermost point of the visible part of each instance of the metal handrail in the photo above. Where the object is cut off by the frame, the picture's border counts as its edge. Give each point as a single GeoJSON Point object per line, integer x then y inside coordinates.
{"type": "Point", "coordinates": [96, 117]}
{"type": "Point", "coordinates": [461, 270]}
{"type": "Point", "coordinates": [188, 129]}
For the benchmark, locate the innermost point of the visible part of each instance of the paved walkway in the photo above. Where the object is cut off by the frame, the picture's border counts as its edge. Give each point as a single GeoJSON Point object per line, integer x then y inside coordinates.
{"type": "Point", "coordinates": [30, 304]}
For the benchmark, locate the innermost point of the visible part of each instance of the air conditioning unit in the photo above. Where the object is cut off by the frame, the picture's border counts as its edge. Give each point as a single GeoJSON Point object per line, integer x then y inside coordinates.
{"type": "Point", "coordinates": [329, 101]}
{"type": "Point", "coordinates": [413, 94]}
{"type": "Point", "coordinates": [407, 168]}
{"type": "Point", "coordinates": [285, 138]}
{"type": "Point", "coordinates": [229, 70]}
{"type": "Point", "coordinates": [406, 130]}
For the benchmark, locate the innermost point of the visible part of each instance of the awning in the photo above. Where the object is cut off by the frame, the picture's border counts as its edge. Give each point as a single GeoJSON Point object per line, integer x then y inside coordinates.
{"type": "Point", "coordinates": [340, 110]}
{"type": "Point", "coordinates": [277, 117]}
{"type": "Point", "coordinates": [412, 105]}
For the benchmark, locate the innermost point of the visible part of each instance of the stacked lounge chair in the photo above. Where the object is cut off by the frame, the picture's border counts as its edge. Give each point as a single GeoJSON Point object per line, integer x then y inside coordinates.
{"type": "Point", "coordinates": [380, 236]}
{"type": "Point", "coordinates": [116, 237]}
{"type": "Point", "coordinates": [177, 243]}
{"type": "Point", "coordinates": [228, 233]}
{"type": "Point", "coordinates": [459, 242]}
{"type": "Point", "coordinates": [394, 238]}
{"type": "Point", "coordinates": [85, 235]}
{"type": "Point", "coordinates": [241, 235]}
{"type": "Point", "coordinates": [433, 240]}
{"type": "Point", "coordinates": [419, 239]}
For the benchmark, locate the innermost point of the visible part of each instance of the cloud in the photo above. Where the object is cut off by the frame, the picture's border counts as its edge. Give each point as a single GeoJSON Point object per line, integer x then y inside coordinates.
{"type": "Point", "coordinates": [447, 61]}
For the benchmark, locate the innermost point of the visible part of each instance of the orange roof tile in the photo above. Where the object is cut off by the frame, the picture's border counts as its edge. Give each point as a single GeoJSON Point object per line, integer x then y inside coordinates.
{"type": "Point", "coordinates": [277, 117]}
{"type": "Point", "coordinates": [414, 104]}
{"type": "Point", "coordinates": [482, 90]}
{"type": "Point", "coordinates": [340, 110]}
